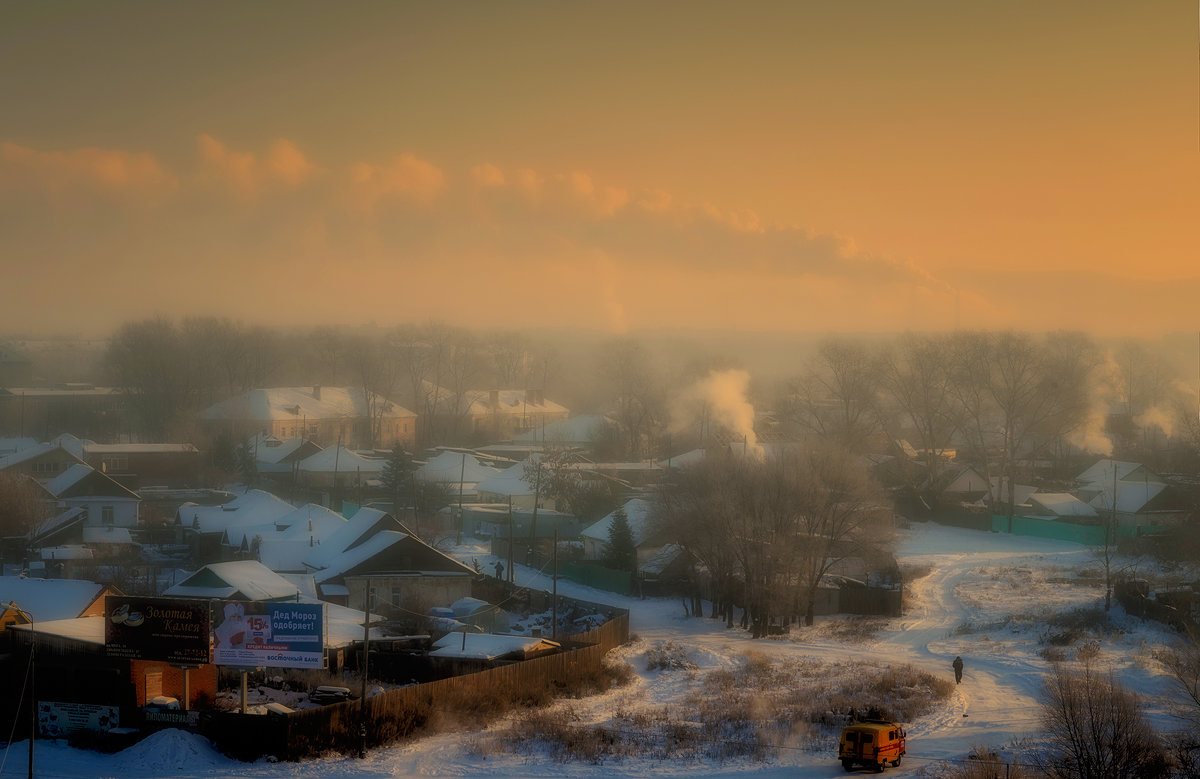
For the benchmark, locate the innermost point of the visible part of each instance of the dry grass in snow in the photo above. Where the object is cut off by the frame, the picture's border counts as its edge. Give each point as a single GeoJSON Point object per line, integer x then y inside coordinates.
{"type": "Point", "coordinates": [741, 710]}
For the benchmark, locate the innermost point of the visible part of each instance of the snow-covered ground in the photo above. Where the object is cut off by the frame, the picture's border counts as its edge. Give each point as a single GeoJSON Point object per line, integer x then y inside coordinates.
{"type": "Point", "coordinates": [996, 600]}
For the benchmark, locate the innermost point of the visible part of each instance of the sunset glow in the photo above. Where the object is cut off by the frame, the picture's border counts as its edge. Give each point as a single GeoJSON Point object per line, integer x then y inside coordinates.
{"type": "Point", "coordinates": [617, 166]}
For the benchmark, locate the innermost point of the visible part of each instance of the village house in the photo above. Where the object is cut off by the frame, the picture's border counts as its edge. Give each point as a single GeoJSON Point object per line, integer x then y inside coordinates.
{"type": "Point", "coordinates": [88, 410]}
{"type": "Point", "coordinates": [328, 416]}
{"type": "Point", "coordinates": [486, 414]}
{"type": "Point", "coordinates": [144, 465]}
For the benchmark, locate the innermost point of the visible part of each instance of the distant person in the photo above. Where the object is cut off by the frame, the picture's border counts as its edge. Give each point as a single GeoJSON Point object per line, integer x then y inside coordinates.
{"type": "Point", "coordinates": [499, 570]}
{"type": "Point", "coordinates": [958, 666]}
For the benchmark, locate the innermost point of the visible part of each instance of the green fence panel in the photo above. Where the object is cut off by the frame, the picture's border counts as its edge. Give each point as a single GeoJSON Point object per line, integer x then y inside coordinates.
{"type": "Point", "coordinates": [592, 575]}
{"type": "Point", "coordinates": [1088, 535]}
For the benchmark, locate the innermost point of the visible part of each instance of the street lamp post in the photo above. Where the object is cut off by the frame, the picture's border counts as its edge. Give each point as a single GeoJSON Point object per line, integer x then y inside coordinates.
{"type": "Point", "coordinates": [30, 672]}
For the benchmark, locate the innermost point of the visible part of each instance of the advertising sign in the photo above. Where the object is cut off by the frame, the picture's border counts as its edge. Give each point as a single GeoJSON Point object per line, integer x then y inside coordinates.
{"type": "Point", "coordinates": [56, 720]}
{"type": "Point", "coordinates": [274, 635]}
{"type": "Point", "coordinates": [169, 630]}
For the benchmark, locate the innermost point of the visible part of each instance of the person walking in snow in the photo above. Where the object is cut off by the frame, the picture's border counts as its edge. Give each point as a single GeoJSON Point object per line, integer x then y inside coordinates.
{"type": "Point", "coordinates": [499, 570]}
{"type": "Point", "coordinates": [958, 666]}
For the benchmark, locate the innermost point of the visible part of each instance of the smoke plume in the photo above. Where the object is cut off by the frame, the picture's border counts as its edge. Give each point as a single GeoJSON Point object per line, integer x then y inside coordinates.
{"type": "Point", "coordinates": [720, 398]}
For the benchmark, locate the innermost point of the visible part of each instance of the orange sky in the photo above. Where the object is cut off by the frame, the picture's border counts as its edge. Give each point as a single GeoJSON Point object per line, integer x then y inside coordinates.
{"type": "Point", "coordinates": [785, 166]}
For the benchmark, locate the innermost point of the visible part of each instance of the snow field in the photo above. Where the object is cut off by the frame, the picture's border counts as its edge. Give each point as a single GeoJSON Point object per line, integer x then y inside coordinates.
{"type": "Point", "coordinates": [1012, 594]}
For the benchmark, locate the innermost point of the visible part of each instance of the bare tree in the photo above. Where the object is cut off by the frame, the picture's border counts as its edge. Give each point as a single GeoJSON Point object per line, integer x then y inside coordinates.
{"type": "Point", "coordinates": [148, 362]}
{"type": "Point", "coordinates": [640, 410]}
{"type": "Point", "coordinates": [837, 398]}
{"type": "Point", "coordinates": [22, 505]}
{"type": "Point", "coordinates": [1095, 729]}
{"type": "Point", "coordinates": [770, 530]}
{"type": "Point", "coordinates": [918, 380]}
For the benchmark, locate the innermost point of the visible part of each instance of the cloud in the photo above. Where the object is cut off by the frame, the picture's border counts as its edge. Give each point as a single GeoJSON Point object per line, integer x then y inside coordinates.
{"type": "Point", "coordinates": [81, 171]}
{"type": "Point", "coordinates": [487, 175]}
{"type": "Point", "coordinates": [405, 176]}
{"type": "Point", "coordinates": [285, 165]}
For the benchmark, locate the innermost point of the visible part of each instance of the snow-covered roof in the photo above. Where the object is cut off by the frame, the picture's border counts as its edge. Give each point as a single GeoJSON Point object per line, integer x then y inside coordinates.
{"type": "Point", "coordinates": [661, 560]}
{"type": "Point", "coordinates": [68, 479]}
{"type": "Point", "coordinates": [66, 552]}
{"type": "Point", "coordinates": [29, 453]}
{"type": "Point", "coordinates": [356, 555]}
{"type": "Point", "coordinates": [286, 554]}
{"type": "Point", "coordinates": [237, 536]}
{"type": "Point", "coordinates": [49, 599]}
{"type": "Point", "coordinates": [310, 519]}
{"type": "Point", "coordinates": [478, 402]}
{"type": "Point", "coordinates": [1101, 473]}
{"type": "Point", "coordinates": [107, 535]}
{"type": "Point", "coordinates": [510, 481]}
{"type": "Point", "coordinates": [582, 429]}
{"type": "Point", "coordinates": [485, 646]}
{"type": "Point", "coordinates": [87, 629]}
{"type": "Point", "coordinates": [967, 480]}
{"type": "Point", "coordinates": [455, 467]}
{"type": "Point", "coordinates": [305, 583]}
{"type": "Point", "coordinates": [303, 403]}
{"type": "Point", "coordinates": [59, 522]}
{"type": "Point", "coordinates": [243, 579]}
{"type": "Point", "coordinates": [637, 510]}
{"type": "Point", "coordinates": [685, 460]}
{"type": "Point", "coordinates": [1060, 504]}
{"type": "Point", "coordinates": [1021, 492]}
{"type": "Point", "coordinates": [353, 532]}
{"type": "Point", "coordinates": [271, 450]}
{"type": "Point", "coordinates": [249, 508]}
{"type": "Point", "coordinates": [93, 448]}
{"type": "Point", "coordinates": [346, 461]}
{"type": "Point", "coordinates": [1132, 496]}
{"type": "Point", "coordinates": [76, 446]}
{"type": "Point", "coordinates": [10, 445]}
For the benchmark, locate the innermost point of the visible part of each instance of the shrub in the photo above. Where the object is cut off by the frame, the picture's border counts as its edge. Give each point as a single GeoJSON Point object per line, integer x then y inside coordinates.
{"type": "Point", "coordinates": [668, 655]}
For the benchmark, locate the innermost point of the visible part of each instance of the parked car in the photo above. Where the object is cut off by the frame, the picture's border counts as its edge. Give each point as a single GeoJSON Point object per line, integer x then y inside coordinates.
{"type": "Point", "coordinates": [873, 743]}
{"type": "Point", "coordinates": [329, 694]}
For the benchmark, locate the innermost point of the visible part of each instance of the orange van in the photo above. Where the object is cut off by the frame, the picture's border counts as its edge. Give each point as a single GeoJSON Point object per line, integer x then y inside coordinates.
{"type": "Point", "coordinates": [873, 743]}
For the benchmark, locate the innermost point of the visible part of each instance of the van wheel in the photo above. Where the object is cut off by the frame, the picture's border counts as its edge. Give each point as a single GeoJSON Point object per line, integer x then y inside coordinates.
{"type": "Point", "coordinates": [896, 762]}
{"type": "Point", "coordinates": [879, 768]}
{"type": "Point", "coordinates": [848, 765]}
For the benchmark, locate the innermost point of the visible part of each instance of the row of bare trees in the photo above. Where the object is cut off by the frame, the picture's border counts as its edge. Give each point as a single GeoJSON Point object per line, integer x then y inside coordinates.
{"type": "Point", "coordinates": [1001, 392]}
{"type": "Point", "coordinates": [1011, 397]}
{"type": "Point", "coordinates": [768, 530]}
{"type": "Point", "coordinates": [168, 371]}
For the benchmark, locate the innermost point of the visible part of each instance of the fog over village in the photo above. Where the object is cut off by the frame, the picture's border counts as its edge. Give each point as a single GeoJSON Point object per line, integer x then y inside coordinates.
{"type": "Point", "coordinates": [539, 389]}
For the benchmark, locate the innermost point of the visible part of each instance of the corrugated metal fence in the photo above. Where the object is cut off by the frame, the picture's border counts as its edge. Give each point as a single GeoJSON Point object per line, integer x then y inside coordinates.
{"type": "Point", "coordinates": [395, 714]}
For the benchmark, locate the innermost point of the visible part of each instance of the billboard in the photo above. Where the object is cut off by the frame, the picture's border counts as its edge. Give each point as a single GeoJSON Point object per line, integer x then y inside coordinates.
{"type": "Point", "coordinates": [169, 630]}
{"type": "Point", "coordinates": [275, 635]}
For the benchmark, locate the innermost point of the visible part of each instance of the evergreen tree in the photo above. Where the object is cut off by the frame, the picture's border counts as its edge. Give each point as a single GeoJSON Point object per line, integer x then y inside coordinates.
{"type": "Point", "coordinates": [396, 476]}
{"type": "Point", "coordinates": [247, 468]}
{"type": "Point", "coordinates": [622, 552]}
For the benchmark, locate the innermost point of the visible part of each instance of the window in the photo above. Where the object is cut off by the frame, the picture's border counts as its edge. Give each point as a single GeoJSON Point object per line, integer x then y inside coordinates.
{"type": "Point", "coordinates": [107, 515]}
{"type": "Point", "coordinates": [867, 738]}
{"type": "Point", "coordinates": [44, 466]}
{"type": "Point", "coordinates": [115, 464]}
{"type": "Point", "coordinates": [852, 737]}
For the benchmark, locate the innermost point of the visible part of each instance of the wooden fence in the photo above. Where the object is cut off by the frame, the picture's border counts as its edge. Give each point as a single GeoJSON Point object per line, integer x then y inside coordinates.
{"type": "Point", "coordinates": [395, 714]}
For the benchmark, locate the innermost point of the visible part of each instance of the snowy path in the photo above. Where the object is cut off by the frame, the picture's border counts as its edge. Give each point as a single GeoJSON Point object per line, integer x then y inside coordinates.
{"type": "Point", "coordinates": [996, 703]}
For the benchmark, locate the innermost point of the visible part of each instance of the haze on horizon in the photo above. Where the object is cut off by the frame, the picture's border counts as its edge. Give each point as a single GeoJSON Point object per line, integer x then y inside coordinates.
{"type": "Point", "coordinates": [762, 166]}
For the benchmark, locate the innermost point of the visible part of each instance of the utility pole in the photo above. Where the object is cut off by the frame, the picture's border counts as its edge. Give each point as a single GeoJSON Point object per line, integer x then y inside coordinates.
{"type": "Point", "coordinates": [462, 474]}
{"type": "Point", "coordinates": [32, 687]}
{"type": "Point", "coordinates": [362, 697]}
{"type": "Point", "coordinates": [510, 540]}
{"type": "Point", "coordinates": [554, 627]}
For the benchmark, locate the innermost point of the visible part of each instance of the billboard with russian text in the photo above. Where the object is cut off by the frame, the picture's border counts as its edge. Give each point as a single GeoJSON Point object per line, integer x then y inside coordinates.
{"type": "Point", "coordinates": [253, 634]}
{"type": "Point", "coordinates": [169, 630]}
